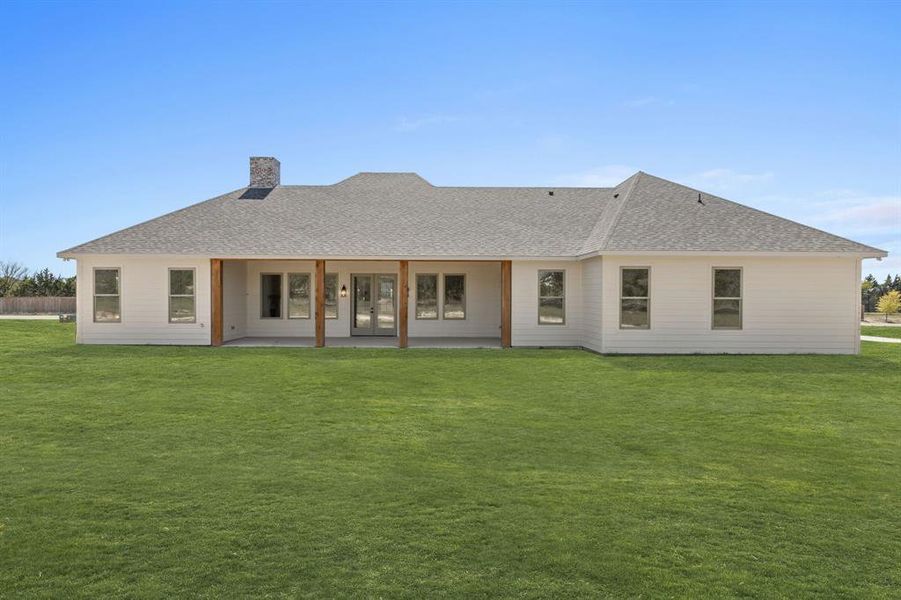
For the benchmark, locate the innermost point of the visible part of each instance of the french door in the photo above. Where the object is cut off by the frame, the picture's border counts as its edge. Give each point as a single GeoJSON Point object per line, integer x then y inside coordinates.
{"type": "Point", "coordinates": [374, 304]}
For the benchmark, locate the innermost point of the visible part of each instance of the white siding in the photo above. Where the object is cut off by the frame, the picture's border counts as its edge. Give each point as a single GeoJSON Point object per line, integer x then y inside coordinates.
{"type": "Point", "coordinates": [790, 305]}
{"type": "Point", "coordinates": [234, 299]}
{"type": "Point", "coordinates": [525, 328]}
{"type": "Point", "coordinates": [144, 302]}
{"type": "Point", "coordinates": [483, 300]}
{"type": "Point", "coordinates": [284, 327]}
{"type": "Point", "coordinates": [592, 293]}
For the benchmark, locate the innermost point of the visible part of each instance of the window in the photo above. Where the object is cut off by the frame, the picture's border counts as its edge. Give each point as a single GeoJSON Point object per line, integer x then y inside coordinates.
{"type": "Point", "coordinates": [454, 296]}
{"type": "Point", "coordinates": [727, 298]}
{"type": "Point", "coordinates": [426, 296]}
{"type": "Point", "coordinates": [181, 296]}
{"type": "Point", "coordinates": [271, 296]}
{"type": "Point", "coordinates": [106, 296]}
{"type": "Point", "coordinates": [298, 295]}
{"type": "Point", "coordinates": [635, 298]}
{"type": "Point", "coordinates": [331, 295]}
{"type": "Point", "coordinates": [551, 298]}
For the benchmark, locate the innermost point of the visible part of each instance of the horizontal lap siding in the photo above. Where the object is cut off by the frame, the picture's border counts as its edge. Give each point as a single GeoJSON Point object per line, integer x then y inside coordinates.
{"type": "Point", "coordinates": [790, 305]}
{"type": "Point", "coordinates": [284, 327]}
{"type": "Point", "coordinates": [144, 302]}
{"type": "Point", "coordinates": [234, 299]}
{"type": "Point", "coordinates": [592, 293]}
{"type": "Point", "coordinates": [483, 300]}
{"type": "Point", "coordinates": [525, 328]}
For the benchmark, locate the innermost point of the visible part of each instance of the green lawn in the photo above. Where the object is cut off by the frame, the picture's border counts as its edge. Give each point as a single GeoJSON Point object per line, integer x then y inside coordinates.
{"type": "Point", "coordinates": [237, 472]}
{"type": "Point", "coordinates": [892, 332]}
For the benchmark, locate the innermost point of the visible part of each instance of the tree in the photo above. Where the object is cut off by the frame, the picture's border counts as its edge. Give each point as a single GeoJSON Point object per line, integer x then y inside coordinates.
{"type": "Point", "coordinates": [11, 273]}
{"type": "Point", "coordinates": [889, 304]}
{"type": "Point", "coordinates": [868, 292]}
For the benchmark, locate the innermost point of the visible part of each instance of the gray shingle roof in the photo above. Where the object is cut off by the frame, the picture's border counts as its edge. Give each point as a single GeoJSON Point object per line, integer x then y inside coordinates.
{"type": "Point", "coordinates": [401, 214]}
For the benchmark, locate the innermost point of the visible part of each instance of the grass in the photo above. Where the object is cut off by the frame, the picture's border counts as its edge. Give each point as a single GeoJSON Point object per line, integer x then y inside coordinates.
{"type": "Point", "coordinates": [237, 472]}
{"type": "Point", "coordinates": [890, 332]}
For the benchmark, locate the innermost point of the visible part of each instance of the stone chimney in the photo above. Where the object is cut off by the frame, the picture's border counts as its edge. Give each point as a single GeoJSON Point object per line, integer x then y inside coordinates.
{"type": "Point", "coordinates": [265, 172]}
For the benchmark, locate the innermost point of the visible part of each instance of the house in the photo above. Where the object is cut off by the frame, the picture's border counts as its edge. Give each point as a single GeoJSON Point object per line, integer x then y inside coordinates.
{"type": "Point", "coordinates": [648, 266]}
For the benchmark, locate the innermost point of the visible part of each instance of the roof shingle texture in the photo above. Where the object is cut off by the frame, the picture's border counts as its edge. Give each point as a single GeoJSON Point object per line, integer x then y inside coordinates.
{"type": "Point", "coordinates": [401, 214]}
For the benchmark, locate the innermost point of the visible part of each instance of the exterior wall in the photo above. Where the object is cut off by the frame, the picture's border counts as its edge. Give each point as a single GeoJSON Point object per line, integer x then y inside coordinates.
{"type": "Point", "coordinates": [525, 328]}
{"type": "Point", "coordinates": [234, 299]}
{"type": "Point", "coordinates": [143, 302]}
{"type": "Point", "coordinates": [483, 300]}
{"type": "Point", "coordinates": [789, 305]}
{"type": "Point", "coordinates": [284, 327]}
{"type": "Point", "coordinates": [592, 305]}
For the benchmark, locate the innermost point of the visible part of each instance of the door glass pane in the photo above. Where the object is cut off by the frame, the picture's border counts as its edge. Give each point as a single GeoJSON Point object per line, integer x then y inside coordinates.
{"type": "Point", "coordinates": [362, 302]}
{"type": "Point", "coordinates": [386, 303]}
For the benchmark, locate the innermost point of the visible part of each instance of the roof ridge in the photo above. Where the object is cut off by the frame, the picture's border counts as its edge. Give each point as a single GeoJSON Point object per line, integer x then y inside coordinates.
{"type": "Point", "coordinates": [618, 211]}
{"type": "Point", "coordinates": [763, 212]}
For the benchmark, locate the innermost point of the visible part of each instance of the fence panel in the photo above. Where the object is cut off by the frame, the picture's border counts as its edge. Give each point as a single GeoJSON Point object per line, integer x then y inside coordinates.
{"type": "Point", "coordinates": [40, 305]}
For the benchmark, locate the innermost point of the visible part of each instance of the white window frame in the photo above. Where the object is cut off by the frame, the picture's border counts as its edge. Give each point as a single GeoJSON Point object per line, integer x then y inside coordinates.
{"type": "Point", "coordinates": [621, 297]}
{"type": "Point", "coordinates": [94, 293]}
{"type": "Point", "coordinates": [714, 298]}
{"type": "Point", "coordinates": [311, 291]}
{"type": "Point", "coordinates": [443, 297]}
{"type": "Point", "coordinates": [563, 297]}
{"type": "Point", "coordinates": [192, 296]}
{"type": "Point", "coordinates": [438, 311]}
{"type": "Point", "coordinates": [282, 292]}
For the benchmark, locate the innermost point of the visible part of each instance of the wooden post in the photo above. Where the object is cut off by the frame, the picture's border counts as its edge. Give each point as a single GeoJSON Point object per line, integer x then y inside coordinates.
{"type": "Point", "coordinates": [320, 303]}
{"type": "Point", "coordinates": [506, 303]}
{"type": "Point", "coordinates": [216, 301]}
{"type": "Point", "coordinates": [402, 310]}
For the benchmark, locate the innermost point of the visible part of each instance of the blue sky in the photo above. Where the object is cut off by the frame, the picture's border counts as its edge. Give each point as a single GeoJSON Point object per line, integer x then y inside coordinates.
{"type": "Point", "coordinates": [114, 113]}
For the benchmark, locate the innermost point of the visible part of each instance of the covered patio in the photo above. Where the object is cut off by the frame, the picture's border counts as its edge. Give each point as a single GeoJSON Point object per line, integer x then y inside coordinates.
{"type": "Point", "coordinates": [363, 342]}
{"type": "Point", "coordinates": [360, 303]}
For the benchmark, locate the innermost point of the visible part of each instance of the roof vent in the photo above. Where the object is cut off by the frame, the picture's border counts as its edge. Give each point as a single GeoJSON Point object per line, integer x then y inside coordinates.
{"type": "Point", "coordinates": [265, 172]}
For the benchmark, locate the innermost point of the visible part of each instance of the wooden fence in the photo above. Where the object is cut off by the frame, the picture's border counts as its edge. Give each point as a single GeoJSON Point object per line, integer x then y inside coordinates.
{"type": "Point", "coordinates": [39, 305]}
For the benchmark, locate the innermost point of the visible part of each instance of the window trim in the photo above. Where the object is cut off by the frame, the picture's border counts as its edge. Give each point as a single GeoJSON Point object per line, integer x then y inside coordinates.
{"type": "Point", "coordinates": [563, 297]}
{"type": "Point", "coordinates": [438, 294]}
{"type": "Point", "coordinates": [312, 297]}
{"type": "Point", "coordinates": [94, 293]}
{"type": "Point", "coordinates": [443, 296]}
{"type": "Point", "coordinates": [282, 291]}
{"type": "Point", "coordinates": [740, 298]}
{"type": "Point", "coordinates": [621, 297]}
{"type": "Point", "coordinates": [337, 297]}
{"type": "Point", "coordinates": [171, 295]}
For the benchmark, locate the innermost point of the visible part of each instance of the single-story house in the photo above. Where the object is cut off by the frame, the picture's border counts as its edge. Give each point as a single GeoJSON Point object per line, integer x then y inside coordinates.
{"type": "Point", "coordinates": [648, 266]}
